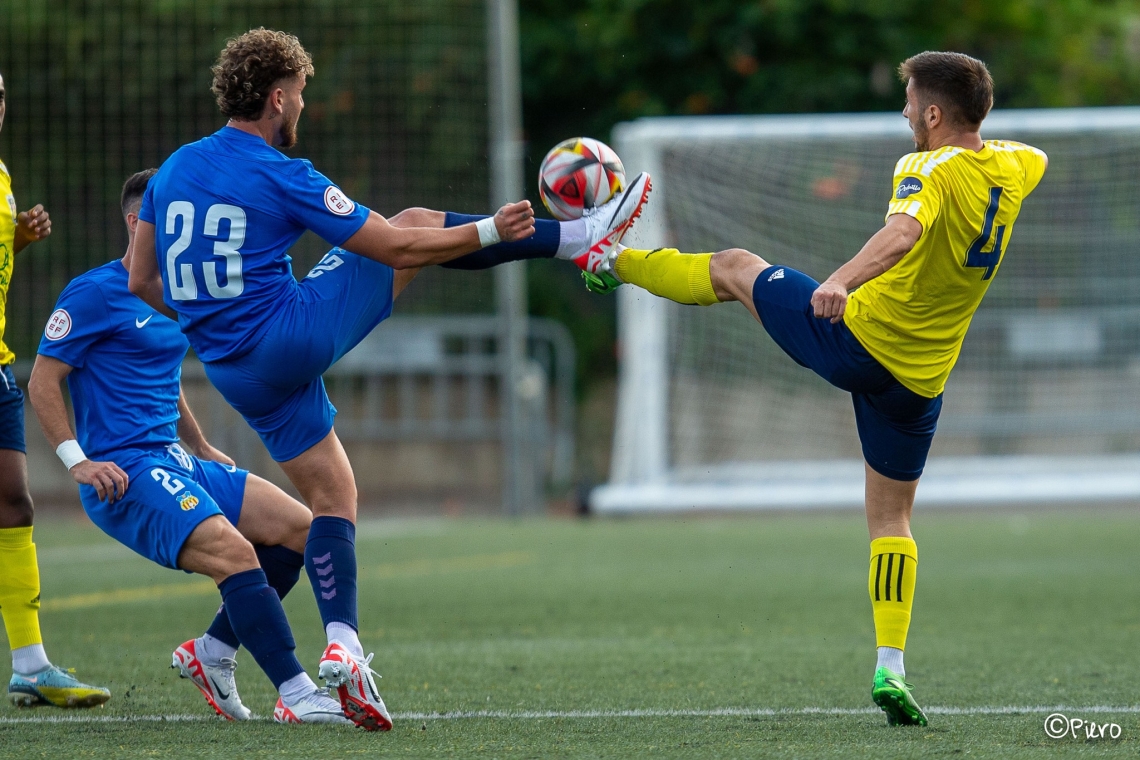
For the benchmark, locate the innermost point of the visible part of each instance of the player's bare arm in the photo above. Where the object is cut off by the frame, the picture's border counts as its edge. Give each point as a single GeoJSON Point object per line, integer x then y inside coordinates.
{"type": "Point", "coordinates": [412, 247]}
{"type": "Point", "coordinates": [32, 226]}
{"type": "Point", "coordinates": [145, 280]}
{"type": "Point", "coordinates": [884, 250]}
{"type": "Point", "coordinates": [190, 434]}
{"type": "Point", "coordinates": [44, 391]}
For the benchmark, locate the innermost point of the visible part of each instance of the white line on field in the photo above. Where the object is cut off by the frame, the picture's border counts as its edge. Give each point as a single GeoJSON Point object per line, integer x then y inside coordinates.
{"type": "Point", "coordinates": [722, 712]}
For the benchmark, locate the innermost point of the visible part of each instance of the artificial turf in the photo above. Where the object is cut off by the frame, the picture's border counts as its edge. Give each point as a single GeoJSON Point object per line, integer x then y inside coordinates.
{"type": "Point", "coordinates": [509, 620]}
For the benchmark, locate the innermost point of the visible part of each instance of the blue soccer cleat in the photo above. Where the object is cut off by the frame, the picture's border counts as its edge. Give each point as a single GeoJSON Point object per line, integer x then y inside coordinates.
{"type": "Point", "coordinates": [54, 686]}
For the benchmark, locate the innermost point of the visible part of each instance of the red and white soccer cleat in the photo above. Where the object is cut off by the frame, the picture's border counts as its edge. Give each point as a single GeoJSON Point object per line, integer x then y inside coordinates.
{"type": "Point", "coordinates": [606, 224]}
{"type": "Point", "coordinates": [318, 707]}
{"type": "Point", "coordinates": [216, 683]}
{"type": "Point", "coordinates": [351, 679]}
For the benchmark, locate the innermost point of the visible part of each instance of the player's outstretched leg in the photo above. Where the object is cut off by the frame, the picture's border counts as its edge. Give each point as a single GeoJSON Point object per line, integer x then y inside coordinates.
{"type": "Point", "coordinates": [217, 550]}
{"type": "Point", "coordinates": [585, 241]}
{"type": "Point", "coordinates": [35, 681]}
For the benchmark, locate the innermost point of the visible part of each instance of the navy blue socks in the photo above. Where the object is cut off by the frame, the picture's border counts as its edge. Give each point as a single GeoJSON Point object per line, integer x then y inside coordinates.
{"type": "Point", "coordinates": [282, 568]}
{"type": "Point", "coordinates": [258, 619]}
{"type": "Point", "coordinates": [330, 561]}
{"type": "Point", "coordinates": [543, 244]}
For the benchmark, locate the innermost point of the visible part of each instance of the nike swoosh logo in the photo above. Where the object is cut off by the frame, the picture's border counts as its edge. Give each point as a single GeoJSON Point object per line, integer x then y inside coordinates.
{"type": "Point", "coordinates": [218, 689]}
{"type": "Point", "coordinates": [142, 323]}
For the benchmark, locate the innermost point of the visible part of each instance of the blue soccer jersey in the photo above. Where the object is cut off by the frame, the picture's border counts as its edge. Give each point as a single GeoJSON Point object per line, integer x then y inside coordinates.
{"type": "Point", "coordinates": [226, 210]}
{"type": "Point", "coordinates": [127, 360]}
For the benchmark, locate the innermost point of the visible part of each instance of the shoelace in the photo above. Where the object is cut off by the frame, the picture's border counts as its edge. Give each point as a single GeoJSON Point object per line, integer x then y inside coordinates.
{"type": "Point", "coordinates": [369, 672]}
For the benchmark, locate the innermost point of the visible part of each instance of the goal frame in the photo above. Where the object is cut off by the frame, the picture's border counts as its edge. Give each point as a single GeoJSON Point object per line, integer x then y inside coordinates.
{"type": "Point", "coordinates": [641, 477]}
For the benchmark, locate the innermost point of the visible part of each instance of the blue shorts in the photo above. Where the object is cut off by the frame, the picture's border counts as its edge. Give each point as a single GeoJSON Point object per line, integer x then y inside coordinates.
{"type": "Point", "coordinates": [170, 493]}
{"type": "Point", "coordinates": [11, 411]}
{"type": "Point", "coordinates": [896, 425]}
{"type": "Point", "coordinates": [277, 387]}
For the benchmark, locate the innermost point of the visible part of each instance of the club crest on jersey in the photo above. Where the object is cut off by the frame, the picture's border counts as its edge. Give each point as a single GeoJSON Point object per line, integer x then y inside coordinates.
{"type": "Point", "coordinates": [337, 202]}
{"type": "Point", "coordinates": [58, 325]}
{"type": "Point", "coordinates": [908, 187]}
{"type": "Point", "coordinates": [187, 501]}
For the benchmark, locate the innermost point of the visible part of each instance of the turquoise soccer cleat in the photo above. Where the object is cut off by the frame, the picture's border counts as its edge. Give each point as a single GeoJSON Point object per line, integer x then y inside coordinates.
{"type": "Point", "coordinates": [892, 694]}
{"type": "Point", "coordinates": [54, 686]}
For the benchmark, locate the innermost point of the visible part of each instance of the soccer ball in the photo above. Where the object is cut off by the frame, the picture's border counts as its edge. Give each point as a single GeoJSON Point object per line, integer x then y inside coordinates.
{"type": "Point", "coordinates": [577, 175]}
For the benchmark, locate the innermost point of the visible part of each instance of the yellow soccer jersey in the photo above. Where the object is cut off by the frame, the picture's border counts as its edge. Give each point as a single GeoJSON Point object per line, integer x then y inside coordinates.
{"type": "Point", "coordinates": [7, 254]}
{"type": "Point", "coordinates": [913, 318]}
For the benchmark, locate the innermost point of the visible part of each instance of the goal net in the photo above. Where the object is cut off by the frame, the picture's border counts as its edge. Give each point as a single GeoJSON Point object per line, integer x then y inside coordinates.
{"type": "Point", "coordinates": [1044, 403]}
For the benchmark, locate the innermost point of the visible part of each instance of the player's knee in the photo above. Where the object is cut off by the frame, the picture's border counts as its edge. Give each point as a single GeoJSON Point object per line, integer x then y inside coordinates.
{"type": "Point", "coordinates": [16, 509]}
{"type": "Point", "coordinates": [733, 272]}
{"type": "Point", "coordinates": [15, 502]}
{"type": "Point", "coordinates": [737, 259]}
{"type": "Point", "coordinates": [418, 217]}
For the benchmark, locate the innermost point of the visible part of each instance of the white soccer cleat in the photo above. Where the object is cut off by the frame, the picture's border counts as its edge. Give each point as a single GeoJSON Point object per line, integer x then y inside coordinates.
{"type": "Point", "coordinates": [606, 224]}
{"type": "Point", "coordinates": [215, 682]}
{"type": "Point", "coordinates": [351, 679]}
{"type": "Point", "coordinates": [318, 707]}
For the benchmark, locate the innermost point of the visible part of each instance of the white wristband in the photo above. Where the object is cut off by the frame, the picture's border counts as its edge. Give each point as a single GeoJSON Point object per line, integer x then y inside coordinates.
{"type": "Point", "coordinates": [488, 232]}
{"type": "Point", "coordinates": [70, 453]}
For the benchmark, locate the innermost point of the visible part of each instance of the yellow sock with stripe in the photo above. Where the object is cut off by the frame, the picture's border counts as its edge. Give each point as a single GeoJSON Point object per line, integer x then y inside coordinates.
{"type": "Point", "coordinates": [894, 567]}
{"type": "Point", "coordinates": [19, 587]}
{"type": "Point", "coordinates": [666, 272]}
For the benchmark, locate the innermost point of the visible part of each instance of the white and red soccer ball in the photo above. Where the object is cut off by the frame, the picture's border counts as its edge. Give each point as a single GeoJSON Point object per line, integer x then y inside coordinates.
{"type": "Point", "coordinates": [577, 175]}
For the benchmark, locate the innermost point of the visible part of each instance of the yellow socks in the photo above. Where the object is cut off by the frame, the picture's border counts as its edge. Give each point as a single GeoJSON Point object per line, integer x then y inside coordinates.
{"type": "Point", "coordinates": [894, 565]}
{"type": "Point", "coordinates": [666, 272]}
{"type": "Point", "coordinates": [19, 587]}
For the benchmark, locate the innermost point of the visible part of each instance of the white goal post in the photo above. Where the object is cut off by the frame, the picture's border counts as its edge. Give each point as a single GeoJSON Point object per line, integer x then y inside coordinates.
{"type": "Point", "coordinates": [1045, 402]}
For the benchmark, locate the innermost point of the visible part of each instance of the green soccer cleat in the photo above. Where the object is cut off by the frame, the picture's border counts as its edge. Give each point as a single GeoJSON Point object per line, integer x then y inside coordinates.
{"type": "Point", "coordinates": [54, 686]}
{"type": "Point", "coordinates": [601, 282]}
{"type": "Point", "coordinates": [892, 694]}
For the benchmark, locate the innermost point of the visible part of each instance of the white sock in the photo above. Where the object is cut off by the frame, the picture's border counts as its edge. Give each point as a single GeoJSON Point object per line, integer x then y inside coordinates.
{"type": "Point", "coordinates": [296, 688]}
{"type": "Point", "coordinates": [891, 659]}
{"type": "Point", "coordinates": [30, 659]}
{"type": "Point", "coordinates": [572, 240]}
{"type": "Point", "coordinates": [211, 650]}
{"type": "Point", "coordinates": [346, 635]}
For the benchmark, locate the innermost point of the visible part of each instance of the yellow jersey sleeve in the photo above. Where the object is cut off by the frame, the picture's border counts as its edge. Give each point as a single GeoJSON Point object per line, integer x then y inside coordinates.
{"type": "Point", "coordinates": [1033, 161]}
{"type": "Point", "coordinates": [915, 194]}
{"type": "Point", "coordinates": [7, 253]}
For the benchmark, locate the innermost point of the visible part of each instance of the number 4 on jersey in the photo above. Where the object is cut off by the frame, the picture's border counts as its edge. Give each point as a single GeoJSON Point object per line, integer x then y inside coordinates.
{"type": "Point", "coordinates": [988, 261]}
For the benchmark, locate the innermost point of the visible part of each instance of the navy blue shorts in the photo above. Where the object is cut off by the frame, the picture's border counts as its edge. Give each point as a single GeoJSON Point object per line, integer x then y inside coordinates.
{"type": "Point", "coordinates": [11, 411]}
{"type": "Point", "coordinates": [169, 495]}
{"type": "Point", "coordinates": [896, 425]}
{"type": "Point", "coordinates": [277, 387]}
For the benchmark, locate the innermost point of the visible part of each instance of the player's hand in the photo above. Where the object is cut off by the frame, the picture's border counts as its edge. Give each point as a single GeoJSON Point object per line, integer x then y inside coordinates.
{"type": "Point", "coordinates": [109, 481]}
{"type": "Point", "coordinates": [830, 301]}
{"type": "Point", "coordinates": [515, 221]}
{"type": "Point", "coordinates": [209, 453]}
{"type": "Point", "coordinates": [32, 226]}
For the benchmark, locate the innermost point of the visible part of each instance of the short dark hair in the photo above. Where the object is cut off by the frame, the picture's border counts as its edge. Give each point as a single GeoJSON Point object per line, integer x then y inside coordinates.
{"type": "Point", "coordinates": [133, 190]}
{"type": "Point", "coordinates": [248, 67]}
{"type": "Point", "coordinates": [960, 85]}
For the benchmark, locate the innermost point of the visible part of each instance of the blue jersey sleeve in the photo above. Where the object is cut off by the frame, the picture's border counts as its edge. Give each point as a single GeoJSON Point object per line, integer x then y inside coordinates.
{"type": "Point", "coordinates": [315, 203]}
{"type": "Point", "coordinates": [146, 210]}
{"type": "Point", "coordinates": [80, 320]}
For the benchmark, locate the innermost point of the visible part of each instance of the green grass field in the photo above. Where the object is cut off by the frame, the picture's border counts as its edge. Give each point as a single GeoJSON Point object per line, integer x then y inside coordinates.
{"type": "Point", "coordinates": [578, 639]}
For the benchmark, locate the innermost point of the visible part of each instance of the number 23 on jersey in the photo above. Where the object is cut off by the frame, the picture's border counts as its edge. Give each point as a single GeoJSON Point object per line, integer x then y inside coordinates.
{"type": "Point", "coordinates": [180, 276]}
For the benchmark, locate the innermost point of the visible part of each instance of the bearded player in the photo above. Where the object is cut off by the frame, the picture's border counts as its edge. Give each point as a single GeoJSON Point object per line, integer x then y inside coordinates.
{"type": "Point", "coordinates": [35, 680]}
{"type": "Point", "coordinates": [211, 250]}
{"type": "Point", "coordinates": [888, 325]}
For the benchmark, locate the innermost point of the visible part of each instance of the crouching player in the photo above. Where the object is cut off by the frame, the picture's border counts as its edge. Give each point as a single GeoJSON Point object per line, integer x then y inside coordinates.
{"type": "Point", "coordinates": [122, 363]}
{"type": "Point", "coordinates": [893, 341]}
